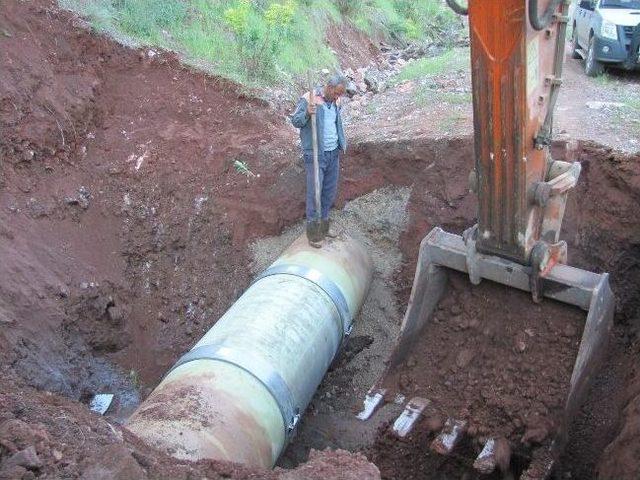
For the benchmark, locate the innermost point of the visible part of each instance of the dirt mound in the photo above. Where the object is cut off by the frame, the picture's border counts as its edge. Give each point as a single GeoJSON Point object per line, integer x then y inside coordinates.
{"type": "Point", "coordinates": [505, 368]}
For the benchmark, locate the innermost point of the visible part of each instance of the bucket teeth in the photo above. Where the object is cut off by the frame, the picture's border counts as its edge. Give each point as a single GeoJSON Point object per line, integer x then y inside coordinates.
{"type": "Point", "coordinates": [409, 416]}
{"type": "Point", "coordinates": [372, 401]}
{"type": "Point", "coordinates": [449, 437]}
{"type": "Point", "coordinates": [495, 454]}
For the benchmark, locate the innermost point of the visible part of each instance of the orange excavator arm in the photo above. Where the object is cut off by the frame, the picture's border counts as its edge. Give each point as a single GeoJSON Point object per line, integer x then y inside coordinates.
{"type": "Point", "coordinates": [517, 51]}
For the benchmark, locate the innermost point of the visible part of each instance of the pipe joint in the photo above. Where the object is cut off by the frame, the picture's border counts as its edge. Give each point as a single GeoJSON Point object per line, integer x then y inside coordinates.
{"type": "Point", "coordinates": [321, 280]}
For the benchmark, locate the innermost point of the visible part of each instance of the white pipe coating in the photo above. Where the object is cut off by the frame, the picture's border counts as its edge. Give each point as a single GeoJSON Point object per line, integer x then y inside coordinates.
{"type": "Point", "coordinates": [239, 393]}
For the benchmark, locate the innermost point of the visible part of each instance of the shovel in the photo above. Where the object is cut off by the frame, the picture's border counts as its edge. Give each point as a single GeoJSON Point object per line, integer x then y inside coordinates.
{"type": "Point", "coordinates": [314, 226]}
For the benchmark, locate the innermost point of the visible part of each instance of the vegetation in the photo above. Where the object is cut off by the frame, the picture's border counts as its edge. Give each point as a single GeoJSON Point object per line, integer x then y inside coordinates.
{"type": "Point", "coordinates": [259, 42]}
{"type": "Point", "coordinates": [454, 59]}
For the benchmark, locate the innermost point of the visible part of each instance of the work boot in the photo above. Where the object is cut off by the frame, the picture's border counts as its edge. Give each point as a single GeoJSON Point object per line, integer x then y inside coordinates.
{"type": "Point", "coordinates": [315, 244]}
{"type": "Point", "coordinates": [315, 234]}
{"type": "Point", "coordinates": [328, 229]}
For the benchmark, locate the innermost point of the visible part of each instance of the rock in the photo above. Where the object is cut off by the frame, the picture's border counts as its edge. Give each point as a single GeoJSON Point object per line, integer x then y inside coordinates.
{"type": "Point", "coordinates": [351, 89]}
{"type": "Point", "coordinates": [27, 458]}
{"type": "Point", "coordinates": [404, 381]}
{"type": "Point", "coordinates": [375, 80]}
{"type": "Point", "coordinates": [412, 362]}
{"type": "Point", "coordinates": [56, 454]}
{"type": "Point", "coordinates": [5, 319]}
{"type": "Point", "coordinates": [81, 198]}
{"type": "Point", "coordinates": [11, 472]}
{"type": "Point", "coordinates": [113, 462]}
{"type": "Point", "coordinates": [569, 331]}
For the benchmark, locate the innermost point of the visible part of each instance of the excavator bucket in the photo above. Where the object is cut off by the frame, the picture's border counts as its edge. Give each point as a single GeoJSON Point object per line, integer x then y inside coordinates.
{"type": "Point", "coordinates": [441, 251]}
{"type": "Point", "coordinates": [517, 52]}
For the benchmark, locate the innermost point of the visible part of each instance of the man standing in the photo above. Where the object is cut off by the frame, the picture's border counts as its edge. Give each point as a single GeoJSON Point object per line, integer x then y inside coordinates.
{"type": "Point", "coordinates": [331, 140]}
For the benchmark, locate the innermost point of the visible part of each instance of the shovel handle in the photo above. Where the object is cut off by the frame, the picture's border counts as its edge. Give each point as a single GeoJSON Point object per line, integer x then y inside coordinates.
{"type": "Point", "coordinates": [314, 139]}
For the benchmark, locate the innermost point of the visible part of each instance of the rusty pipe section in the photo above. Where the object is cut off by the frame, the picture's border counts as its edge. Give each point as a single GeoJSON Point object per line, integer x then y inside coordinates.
{"type": "Point", "coordinates": [238, 394]}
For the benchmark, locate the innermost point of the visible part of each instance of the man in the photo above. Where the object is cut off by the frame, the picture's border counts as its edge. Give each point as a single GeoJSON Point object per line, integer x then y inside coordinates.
{"type": "Point", "coordinates": [331, 140]}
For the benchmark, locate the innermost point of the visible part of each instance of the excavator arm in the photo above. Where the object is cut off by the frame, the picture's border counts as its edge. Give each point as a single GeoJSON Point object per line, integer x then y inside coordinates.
{"type": "Point", "coordinates": [517, 52]}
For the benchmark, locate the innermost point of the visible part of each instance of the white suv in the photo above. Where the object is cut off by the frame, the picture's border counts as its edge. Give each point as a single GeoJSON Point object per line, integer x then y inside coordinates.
{"type": "Point", "coordinates": [607, 32]}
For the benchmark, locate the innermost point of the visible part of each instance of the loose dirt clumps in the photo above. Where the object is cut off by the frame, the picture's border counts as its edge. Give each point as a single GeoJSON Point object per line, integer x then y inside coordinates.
{"type": "Point", "coordinates": [490, 357]}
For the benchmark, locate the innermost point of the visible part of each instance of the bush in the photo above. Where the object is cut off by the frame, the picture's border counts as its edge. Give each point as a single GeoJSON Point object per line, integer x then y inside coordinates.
{"type": "Point", "coordinates": [259, 42]}
{"type": "Point", "coordinates": [260, 34]}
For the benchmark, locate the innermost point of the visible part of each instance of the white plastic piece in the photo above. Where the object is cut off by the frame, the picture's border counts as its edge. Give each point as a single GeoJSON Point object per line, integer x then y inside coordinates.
{"type": "Point", "coordinates": [101, 402]}
{"type": "Point", "coordinates": [372, 401]}
{"type": "Point", "coordinates": [409, 416]}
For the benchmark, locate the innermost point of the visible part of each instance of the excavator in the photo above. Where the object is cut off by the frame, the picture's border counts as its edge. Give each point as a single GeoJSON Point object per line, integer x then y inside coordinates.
{"type": "Point", "coordinates": [517, 53]}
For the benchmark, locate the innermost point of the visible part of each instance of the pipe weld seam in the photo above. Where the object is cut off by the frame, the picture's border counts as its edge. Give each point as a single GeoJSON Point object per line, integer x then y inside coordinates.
{"type": "Point", "coordinates": [320, 280]}
{"type": "Point", "coordinates": [259, 369]}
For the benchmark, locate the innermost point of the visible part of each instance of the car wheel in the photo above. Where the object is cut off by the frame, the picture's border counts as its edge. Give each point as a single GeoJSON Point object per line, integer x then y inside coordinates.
{"type": "Point", "coordinates": [592, 67]}
{"type": "Point", "coordinates": [574, 44]}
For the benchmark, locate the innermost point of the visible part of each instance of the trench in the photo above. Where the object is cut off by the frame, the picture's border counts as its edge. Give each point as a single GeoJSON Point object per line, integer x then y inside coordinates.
{"type": "Point", "coordinates": [126, 231]}
{"type": "Point", "coordinates": [392, 194]}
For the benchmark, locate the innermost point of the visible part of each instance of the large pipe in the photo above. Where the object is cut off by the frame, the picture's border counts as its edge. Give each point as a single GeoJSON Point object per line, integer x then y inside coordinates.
{"type": "Point", "coordinates": [238, 394]}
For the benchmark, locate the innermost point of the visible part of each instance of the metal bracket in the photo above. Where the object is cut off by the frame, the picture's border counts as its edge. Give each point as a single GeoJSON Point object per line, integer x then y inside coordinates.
{"type": "Point", "coordinates": [320, 280]}
{"type": "Point", "coordinates": [273, 382]}
{"type": "Point", "coordinates": [543, 258]}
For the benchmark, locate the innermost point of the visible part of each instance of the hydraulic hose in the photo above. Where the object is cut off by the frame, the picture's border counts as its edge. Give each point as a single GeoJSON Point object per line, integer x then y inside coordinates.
{"type": "Point", "coordinates": [541, 22]}
{"type": "Point", "coordinates": [456, 7]}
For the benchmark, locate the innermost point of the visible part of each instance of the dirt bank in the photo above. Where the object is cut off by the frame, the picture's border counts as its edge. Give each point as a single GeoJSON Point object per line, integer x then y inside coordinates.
{"type": "Point", "coordinates": [120, 207]}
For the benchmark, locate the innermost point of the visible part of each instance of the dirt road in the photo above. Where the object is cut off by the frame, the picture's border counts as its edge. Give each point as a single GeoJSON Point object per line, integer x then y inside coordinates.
{"type": "Point", "coordinates": [604, 109]}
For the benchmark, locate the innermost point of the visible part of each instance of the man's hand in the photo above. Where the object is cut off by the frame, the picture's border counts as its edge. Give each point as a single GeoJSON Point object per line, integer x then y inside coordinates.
{"type": "Point", "coordinates": [311, 107]}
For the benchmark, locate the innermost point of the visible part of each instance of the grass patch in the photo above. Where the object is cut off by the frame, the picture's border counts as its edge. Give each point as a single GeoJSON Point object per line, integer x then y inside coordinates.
{"type": "Point", "coordinates": [261, 42]}
{"type": "Point", "coordinates": [452, 60]}
{"type": "Point", "coordinates": [403, 20]}
{"type": "Point", "coordinates": [426, 95]}
{"type": "Point", "coordinates": [451, 121]}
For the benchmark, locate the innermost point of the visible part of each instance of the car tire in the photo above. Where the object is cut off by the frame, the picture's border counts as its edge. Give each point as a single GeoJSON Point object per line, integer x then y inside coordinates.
{"type": "Point", "coordinates": [574, 44]}
{"type": "Point", "coordinates": [592, 67]}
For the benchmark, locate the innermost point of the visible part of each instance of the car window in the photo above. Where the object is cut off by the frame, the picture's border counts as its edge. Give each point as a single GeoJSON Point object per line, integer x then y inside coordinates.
{"type": "Point", "coordinates": [632, 4]}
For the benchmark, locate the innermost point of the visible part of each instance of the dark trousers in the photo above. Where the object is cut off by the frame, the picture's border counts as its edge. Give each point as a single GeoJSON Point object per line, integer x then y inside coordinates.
{"type": "Point", "coordinates": [329, 163]}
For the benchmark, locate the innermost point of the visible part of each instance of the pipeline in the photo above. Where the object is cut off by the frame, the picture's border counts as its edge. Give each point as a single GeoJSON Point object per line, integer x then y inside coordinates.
{"type": "Point", "coordinates": [238, 394]}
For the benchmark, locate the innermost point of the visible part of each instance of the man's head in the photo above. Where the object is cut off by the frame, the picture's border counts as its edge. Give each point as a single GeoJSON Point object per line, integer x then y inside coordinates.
{"type": "Point", "coordinates": [336, 87]}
